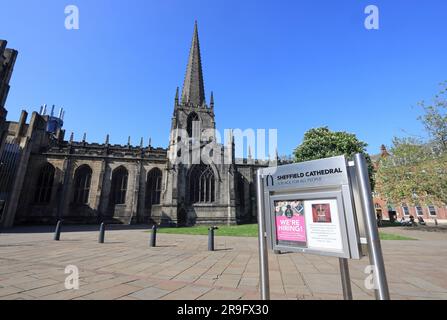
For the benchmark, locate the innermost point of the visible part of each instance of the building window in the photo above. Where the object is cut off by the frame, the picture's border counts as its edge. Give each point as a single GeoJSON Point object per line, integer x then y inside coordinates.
{"type": "Point", "coordinates": [405, 210]}
{"type": "Point", "coordinates": [153, 187]}
{"type": "Point", "coordinates": [44, 185]}
{"type": "Point", "coordinates": [202, 188]}
{"type": "Point", "coordinates": [193, 126]}
{"type": "Point", "coordinates": [432, 210]}
{"type": "Point", "coordinates": [419, 211]}
{"type": "Point", "coordinates": [83, 178]}
{"type": "Point", "coordinates": [119, 185]}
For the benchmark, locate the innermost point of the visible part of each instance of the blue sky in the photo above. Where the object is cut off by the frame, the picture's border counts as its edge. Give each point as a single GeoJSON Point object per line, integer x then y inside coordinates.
{"type": "Point", "coordinates": [290, 65]}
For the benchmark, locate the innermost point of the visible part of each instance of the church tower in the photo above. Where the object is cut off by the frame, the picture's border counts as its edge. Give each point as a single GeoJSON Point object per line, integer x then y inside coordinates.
{"type": "Point", "coordinates": [195, 191]}
{"type": "Point", "coordinates": [191, 113]}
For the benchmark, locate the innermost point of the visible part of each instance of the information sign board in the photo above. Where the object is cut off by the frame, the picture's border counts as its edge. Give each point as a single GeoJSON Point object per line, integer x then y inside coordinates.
{"type": "Point", "coordinates": [309, 208]}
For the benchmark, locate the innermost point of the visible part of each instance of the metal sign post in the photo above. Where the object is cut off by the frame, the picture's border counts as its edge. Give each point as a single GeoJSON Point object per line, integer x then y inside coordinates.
{"type": "Point", "coordinates": [321, 207]}
{"type": "Point", "coordinates": [263, 252]}
{"type": "Point", "coordinates": [374, 247]}
{"type": "Point", "coordinates": [345, 279]}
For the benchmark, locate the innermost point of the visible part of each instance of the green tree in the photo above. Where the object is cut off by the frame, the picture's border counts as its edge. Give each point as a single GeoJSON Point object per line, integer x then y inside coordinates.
{"type": "Point", "coordinates": [434, 118]}
{"type": "Point", "coordinates": [413, 174]}
{"type": "Point", "coordinates": [416, 171]}
{"type": "Point", "coordinates": [322, 143]}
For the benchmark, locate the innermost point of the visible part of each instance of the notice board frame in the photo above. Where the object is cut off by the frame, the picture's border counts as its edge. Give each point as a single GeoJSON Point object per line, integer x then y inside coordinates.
{"type": "Point", "coordinates": [338, 185]}
{"type": "Point", "coordinates": [325, 195]}
{"type": "Point", "coordinates": [353, 181]}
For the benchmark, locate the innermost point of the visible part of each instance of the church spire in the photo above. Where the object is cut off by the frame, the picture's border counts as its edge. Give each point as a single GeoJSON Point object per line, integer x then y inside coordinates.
{"type": "Point", "coordinates": [212, 100]}
{"type": "Point", "coordinates": [177, 96]}
{"type": "Point", "coordinates": [193, 87]}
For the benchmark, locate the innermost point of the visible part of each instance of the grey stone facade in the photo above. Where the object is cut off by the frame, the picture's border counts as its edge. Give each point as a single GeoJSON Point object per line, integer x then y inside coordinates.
{"type": "Point", "coordinates": [7, 61]}
{"type": "Point", "coordinates": [44, 177]}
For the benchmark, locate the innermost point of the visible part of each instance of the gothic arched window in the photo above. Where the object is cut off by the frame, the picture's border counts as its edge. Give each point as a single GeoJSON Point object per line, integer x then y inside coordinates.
{"type": "Point", "coordinates": [193, 125]}
{"type": "Point", "coordinates": [82, 181]}
{"type": "Point", "coordinates": [119, 185]}
{"type": "Point", "coordinates": [202, 185]}
{"type": "Point", "coordinates": [44, 185]}
{"type": "Point", "coordinates": [153, 187]}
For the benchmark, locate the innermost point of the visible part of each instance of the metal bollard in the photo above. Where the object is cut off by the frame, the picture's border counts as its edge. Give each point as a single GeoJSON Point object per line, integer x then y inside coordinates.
{"type": "Point", "coordinates": [436, 222]}
{"type": "Point", "coordinates": [153, 243]}
{"type": "Point", "coordinates": [57, 233]}
{"type": "Point", "coordinates": [211, 238]}
{"type": "Point", "coordinates": [102, 233]}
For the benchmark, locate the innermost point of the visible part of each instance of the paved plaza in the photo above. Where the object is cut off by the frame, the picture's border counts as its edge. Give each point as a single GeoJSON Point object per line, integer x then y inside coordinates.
{"type": "Point", "coordinates": [32, 266]}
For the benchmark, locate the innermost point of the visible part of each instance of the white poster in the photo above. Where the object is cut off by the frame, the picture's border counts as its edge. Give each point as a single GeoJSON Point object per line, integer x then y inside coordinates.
{"type": "Point", "coordinates": [323, 225]}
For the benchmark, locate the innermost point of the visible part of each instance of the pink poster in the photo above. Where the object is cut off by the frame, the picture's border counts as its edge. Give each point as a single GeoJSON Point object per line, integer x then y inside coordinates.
{"type": "Point", "coordinates": [291, 229]}
{"type": "Point", "coordinates": [290, 222]}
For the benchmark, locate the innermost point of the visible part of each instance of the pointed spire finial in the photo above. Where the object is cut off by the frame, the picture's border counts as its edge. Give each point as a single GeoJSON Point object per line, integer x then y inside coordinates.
{"type": "Point", "coordinates": [193, 87]}
{"type": "Point", "coordinates": [107, 139]}
{"type": "Point", "coordinates": [71, 137]}
{"type": "Point", "coordinates": [212, 100]}
{"type": "Point", "coordinates": [150, 142]}
{"type": "Point", "coordinates": [142, 143]}
{"type": "Point", "coordinates": [84, 138]}
{"type": "Point", "coordinates": [177, 95]}
{"type": "Point", "coordinates": [128, 141]}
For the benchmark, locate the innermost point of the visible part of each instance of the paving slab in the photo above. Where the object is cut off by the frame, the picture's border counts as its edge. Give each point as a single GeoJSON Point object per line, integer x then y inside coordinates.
{"type": "Point", "coordinates": [32, 266]}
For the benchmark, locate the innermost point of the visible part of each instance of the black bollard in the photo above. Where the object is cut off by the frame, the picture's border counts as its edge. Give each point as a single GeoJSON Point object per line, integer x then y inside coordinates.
{"type": "Point", "coordinates": [153, 243]}
{"type": "Point", "coordinates": [102, 233]}
{"type": "Point", "coordinates": [211, 238]}
{"type": "Point", "coordinates": [57, 233]}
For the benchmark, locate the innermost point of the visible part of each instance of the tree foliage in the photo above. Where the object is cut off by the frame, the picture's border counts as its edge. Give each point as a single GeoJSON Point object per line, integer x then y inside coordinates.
{"type": "Point", "coordinates": [434, 118]}
{"type": "Point", "coordinates": [415, 174]}
{"type": "Point", "coordinates": [416, 171]}
{"type": "Point", "coordinates": [320, 143]}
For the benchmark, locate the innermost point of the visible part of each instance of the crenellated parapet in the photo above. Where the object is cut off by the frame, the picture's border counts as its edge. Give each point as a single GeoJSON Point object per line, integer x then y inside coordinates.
{"type": "Point", "coordinates": [97, 150]}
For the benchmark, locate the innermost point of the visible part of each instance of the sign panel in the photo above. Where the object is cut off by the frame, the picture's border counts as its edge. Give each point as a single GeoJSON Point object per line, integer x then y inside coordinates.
{"type": "Point", "coordinates": [309, 208]}
{"type": "Point", "coordinates": [323, 224]}
{"type": "Point", "coordinates": [290, 223]}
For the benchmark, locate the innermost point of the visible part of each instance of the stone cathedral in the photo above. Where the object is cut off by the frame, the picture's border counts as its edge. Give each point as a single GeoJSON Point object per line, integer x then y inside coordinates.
{"type": "Point", "coordinates": [45, 177]}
